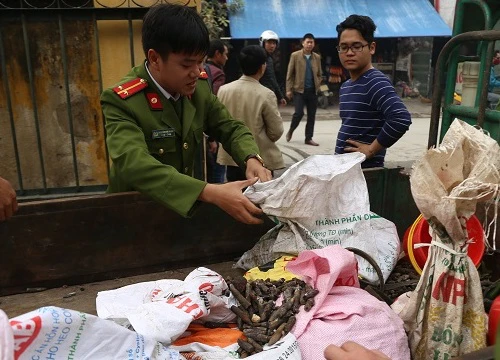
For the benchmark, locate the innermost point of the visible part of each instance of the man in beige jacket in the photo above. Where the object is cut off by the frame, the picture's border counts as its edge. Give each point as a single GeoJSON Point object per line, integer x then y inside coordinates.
{"type": "Point", "coordinates": [303, 80]}
{"type": "Point", "coordinates": [248, 100]}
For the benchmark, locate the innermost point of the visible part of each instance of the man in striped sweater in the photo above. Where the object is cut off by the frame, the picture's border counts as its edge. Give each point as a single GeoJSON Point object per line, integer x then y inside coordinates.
{"type": "Point", "coordinates": [373, 116]}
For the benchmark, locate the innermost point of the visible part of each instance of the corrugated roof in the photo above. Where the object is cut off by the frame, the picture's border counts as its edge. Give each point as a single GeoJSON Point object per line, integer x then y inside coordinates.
{"type": "Point", "coordinates": [293, 18]}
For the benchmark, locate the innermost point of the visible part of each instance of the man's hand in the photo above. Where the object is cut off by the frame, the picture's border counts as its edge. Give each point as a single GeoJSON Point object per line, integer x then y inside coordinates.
{"type": "Point", "coordinates": [8, 200]}
{"type": "Point", "coordinates": [213, 146]}
{"type": "Point", "coordinates": [289, 95]}
{"type": "Point", "coordinates": [352, 351]}
{"type": "Point", "coordinates": [229, 198]}
{"type": "Point", "coordinates": [283, 102]}
{"type": "Point", "coordinates": [255, 169]}
{"type": "Point", "coordinates": [368, 149]}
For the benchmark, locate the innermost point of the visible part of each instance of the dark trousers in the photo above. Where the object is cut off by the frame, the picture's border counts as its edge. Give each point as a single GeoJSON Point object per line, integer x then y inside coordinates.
{"type": "Point", "coordinates": [310, 100]}
{"type": "Point", "coordinates": [216, 173]}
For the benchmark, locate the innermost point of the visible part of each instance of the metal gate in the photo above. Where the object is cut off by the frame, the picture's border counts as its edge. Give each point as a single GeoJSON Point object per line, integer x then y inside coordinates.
{"type": "Point", "coordinates": [56, 57]}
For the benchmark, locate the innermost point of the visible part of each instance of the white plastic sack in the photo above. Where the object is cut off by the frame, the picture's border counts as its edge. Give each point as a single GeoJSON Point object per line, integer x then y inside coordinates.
{"type": "Point", "coordinates": [55, 333]}
{"type": "Point", "coordinates": [321, 201]}
{"type": "Point", "coordinates": [6, 338]}
{"type": "Point", "coordinates": [164, 309]}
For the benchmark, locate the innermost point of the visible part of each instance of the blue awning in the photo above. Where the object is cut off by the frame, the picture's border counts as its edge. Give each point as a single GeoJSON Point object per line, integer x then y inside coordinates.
{"type": "Point", "coordinates": [291, 19]}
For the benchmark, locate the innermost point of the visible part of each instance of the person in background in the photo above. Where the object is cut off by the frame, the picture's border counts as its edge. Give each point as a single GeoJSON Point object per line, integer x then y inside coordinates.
{"type": "Point", "coordinates": [156, 115]}
{"type": "Point", "coordinates": [352, 351]}
{"type": "Point", "coordinates": [255, 104]}
{"type": "Point", "coordinates": [269, 40]}
{"type": "Point", "coordinates": [214, 67]}
{"type": "Point", "coordinates": [494, 98]}
{"type": "Point", "coordinates": [373, 116]}
{"type": "Point", "coordinates": [303, 80]}
{"type": "Point", "coordinates": [8, 200]}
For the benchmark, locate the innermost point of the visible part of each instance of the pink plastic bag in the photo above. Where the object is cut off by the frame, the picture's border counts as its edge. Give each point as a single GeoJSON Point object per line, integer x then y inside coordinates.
{"type": "Point", "coordinates": [342, 310]}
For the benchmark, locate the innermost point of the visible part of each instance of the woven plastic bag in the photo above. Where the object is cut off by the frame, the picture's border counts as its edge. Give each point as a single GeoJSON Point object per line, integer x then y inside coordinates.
{"type": "Point", "coordinates": [321, 201]}
{"type": "Point", "coordinates": [444, 316]}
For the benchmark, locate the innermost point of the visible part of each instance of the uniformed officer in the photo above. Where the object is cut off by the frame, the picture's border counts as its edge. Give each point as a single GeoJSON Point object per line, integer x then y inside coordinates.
{"type": "Point", "coordinates": [157, 114]}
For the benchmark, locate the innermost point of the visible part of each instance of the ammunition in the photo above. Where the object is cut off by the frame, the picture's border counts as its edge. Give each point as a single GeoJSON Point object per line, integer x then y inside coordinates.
{"type": "Point", "coordinates": [242, 314]}
{"type": "Point", "coordinates": [245, 346]}
{"type": "Point", "coordinates": [241, 299]}
{"type": "Point", "coordinates": [277, 335]}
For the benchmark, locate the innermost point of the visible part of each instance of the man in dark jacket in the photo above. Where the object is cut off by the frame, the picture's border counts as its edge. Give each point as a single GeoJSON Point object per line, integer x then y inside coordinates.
{"type": "Point", "coordinates": [269, 40]}
{"type": "Point", "coordinates": [216, 59]}
{"type": "Point", "coordinates": [214, 66]}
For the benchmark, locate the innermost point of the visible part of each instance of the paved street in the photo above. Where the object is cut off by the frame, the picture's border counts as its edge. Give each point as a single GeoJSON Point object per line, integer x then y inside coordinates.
{"type": "Point", "coordinates": [408, 149]}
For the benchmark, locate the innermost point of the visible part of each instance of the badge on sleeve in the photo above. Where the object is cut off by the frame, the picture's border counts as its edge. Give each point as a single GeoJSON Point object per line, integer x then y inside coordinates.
{"type": "Point", "coordinates": [162, 134]}
{"type": "Point", "coordinates": [154, 101]}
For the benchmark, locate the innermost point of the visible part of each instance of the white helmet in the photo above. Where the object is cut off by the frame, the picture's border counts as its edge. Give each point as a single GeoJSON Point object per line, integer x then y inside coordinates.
{"type": "Point", "coordinates": [268, 35]}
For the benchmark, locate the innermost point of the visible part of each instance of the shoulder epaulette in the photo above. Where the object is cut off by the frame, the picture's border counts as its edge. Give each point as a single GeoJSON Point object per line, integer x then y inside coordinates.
{"type": "Point", "coordinates": [130, 88]}
{"type": "Point", "coordinates": [203, 75]}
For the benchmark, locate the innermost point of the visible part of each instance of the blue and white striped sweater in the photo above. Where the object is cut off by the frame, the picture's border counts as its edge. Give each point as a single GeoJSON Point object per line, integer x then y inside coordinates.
{"type": "Point", "coordinates": [370, 109]}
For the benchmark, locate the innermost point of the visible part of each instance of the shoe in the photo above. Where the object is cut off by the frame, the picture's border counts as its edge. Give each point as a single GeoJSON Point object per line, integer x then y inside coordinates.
{"type": "Point", "coordinates": [311, 142]}
{"type": "Point", "coordinates": [289, 136]}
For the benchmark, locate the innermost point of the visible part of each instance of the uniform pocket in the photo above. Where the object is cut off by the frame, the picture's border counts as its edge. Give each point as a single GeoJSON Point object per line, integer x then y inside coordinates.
{"type": "Point", "coordinates": [160, 147]}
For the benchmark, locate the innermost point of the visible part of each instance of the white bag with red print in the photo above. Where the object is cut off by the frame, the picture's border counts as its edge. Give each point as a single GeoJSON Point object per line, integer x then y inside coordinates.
{"type": "Point", "coordinates": [55, 333]}
{"type": "Point", "coordinates": [163, 310]}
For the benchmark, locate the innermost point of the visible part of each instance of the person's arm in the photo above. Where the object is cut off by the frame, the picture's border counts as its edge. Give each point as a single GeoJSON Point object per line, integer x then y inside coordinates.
{"type": "Point", "coordinates": [8, 200]}
{"type": "Point", "coordinates": [272, 118]}
{"type": "Point", "coordinates": [290, 77]}
{"type": "Point", "coordinates": [272, 79]}
{"type": "Point", "coordinates": [396, 116]}
{"type": "Point", "coordinates": [319, 74]}
{"type": "Point", "coordinates": [229, 197]}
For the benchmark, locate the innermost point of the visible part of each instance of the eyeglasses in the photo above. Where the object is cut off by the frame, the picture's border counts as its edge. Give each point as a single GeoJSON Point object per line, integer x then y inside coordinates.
{"type": "Point", "coordinates": [356, 47]}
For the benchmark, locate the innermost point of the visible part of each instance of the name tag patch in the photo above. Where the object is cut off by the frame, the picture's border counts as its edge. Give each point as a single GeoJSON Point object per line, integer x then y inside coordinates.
{"type": "Point", "coordinates": [161, 134]}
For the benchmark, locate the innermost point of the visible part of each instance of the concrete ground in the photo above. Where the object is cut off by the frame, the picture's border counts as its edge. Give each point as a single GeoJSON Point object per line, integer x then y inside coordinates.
{"type": "Point", "coordinates": [404, 153]}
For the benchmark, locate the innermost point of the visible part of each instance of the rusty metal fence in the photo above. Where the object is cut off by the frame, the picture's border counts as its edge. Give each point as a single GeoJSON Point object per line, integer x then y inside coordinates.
{"type": "Point", "coordinates": [56, 57]}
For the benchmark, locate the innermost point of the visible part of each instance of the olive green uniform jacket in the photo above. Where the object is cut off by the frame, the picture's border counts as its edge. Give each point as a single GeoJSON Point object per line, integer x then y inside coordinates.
{"type": "Point", "coordinates": [153, 151]}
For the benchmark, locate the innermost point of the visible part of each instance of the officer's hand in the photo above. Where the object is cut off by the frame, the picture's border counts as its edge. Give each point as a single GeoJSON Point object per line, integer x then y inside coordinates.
{"type": "Point", "coordinates": [352, 351]}
{"type": "Point", "coordinates": [255, 169]}
{"type": "Point", "coordinates": [283, 102]}
{"type": "Point", "coordinates": [8, 201]}
{"type": "Point", "coordinates": [229, 197]}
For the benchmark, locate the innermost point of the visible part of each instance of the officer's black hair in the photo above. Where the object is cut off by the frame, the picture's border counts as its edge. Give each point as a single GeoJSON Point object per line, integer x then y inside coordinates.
{"type": "Point", "coordinates": [170, 28]}
{"type": "Point", "coordinates": [216, 45]}
{"type": "Point", "coordinates": [364, 24]}
{"type": "Point", "coordinates": [251, 58]}
{"type": "Point", "coordinates": [308, 36]}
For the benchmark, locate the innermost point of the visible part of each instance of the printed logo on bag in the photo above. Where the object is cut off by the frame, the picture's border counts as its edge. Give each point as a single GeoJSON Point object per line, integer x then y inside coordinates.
{"type": "Point", "coordinates": [208, 287]}
{"type": "Point", "coordinates": [25, 332]}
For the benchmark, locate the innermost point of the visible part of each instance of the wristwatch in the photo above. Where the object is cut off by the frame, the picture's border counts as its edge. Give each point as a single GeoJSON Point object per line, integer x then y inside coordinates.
{"type": "Point", "coordinates": [255, 156]}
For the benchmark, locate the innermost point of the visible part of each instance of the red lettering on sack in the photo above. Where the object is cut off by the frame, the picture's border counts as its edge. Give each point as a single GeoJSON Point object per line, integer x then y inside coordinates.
{"type": "Point", "coordinates": [185, 304]}
{"type": "Point", "coordinates": [449, 286]}
{"type": "Point", "coordinates": [208, 287]}
{"type": "Point", "coordinates": [25, 332]}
